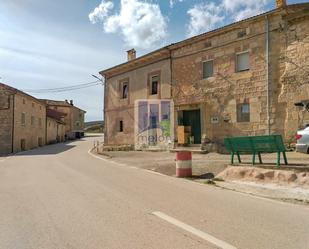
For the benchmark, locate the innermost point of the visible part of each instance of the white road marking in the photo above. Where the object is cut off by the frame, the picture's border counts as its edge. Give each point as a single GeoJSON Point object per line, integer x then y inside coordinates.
{"type": "Point", "coordinates": [196, 232]}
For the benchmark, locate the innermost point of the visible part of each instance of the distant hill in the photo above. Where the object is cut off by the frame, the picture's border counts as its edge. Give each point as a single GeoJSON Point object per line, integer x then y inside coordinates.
{"type": "Point", "coordinates": [94, 126]}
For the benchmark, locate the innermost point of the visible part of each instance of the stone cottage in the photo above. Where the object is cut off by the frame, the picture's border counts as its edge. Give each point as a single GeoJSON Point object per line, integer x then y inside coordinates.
{"type": "Point", "coordinates": [74, 117]}
{"type": "Point", "coordinates": [22, 121]}
{"type": "Point", "coordinates": [55, 126]}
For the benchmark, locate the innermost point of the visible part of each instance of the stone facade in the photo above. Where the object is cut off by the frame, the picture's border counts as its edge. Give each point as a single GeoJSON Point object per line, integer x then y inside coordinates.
{"type": "Point", "coordinates": [29, 122]}
{"type": "Point", "coordinates": [258, 100]}
{"type": "Point", "coordinates": [6, 120]}
{"type": "Point", "coordinates": [55, 126]}
{"type": "Point", "coordinates": [23, 118]}
{"type": "Point", "coordinates": [118, 109]}
{"type": "Point", "coordinates": [270, 91]}
{"type": "Point", "coordinates": [294, 73]}
{"type": "Point", "coordinates": [73, 119]}
{"type": "Point", "coordinates": [55, 131]}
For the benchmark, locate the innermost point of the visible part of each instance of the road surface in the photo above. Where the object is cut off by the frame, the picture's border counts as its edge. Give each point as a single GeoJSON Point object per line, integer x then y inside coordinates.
{"type": "Point", "coordinates": [60, 196]}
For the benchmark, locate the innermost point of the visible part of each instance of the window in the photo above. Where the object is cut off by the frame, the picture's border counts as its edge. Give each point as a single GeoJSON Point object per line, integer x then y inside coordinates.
{"type": "Point", "coordinates": [208, 69]}
{"type": "Point", "coordinates": [23, 118]}
{"type": "Point", "coordinates": [40, 122]}
{"type": "Point", "coordinates": [242, 62]}
{"type": "Point", "coordinates": [24, 101]}
{"type": "Point", "coordinates": [125, 88]}
{"type": "Point", "coordinates": [77, 123]}
{"type": "Point", "coordinates": [32, 105]}
{"type": "Point", "coordinates": [154, 85]}
{"type": "Point", "coordinates": [32, 120]}
{"type": "Point", "coordinates": [120, 126]}
{"type": "Point", "coordinates": [243, 112]}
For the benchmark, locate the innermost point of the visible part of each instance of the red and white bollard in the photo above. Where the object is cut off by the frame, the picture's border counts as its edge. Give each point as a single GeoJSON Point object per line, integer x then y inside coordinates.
{"type": "Point", "coordinates": [183, 164]}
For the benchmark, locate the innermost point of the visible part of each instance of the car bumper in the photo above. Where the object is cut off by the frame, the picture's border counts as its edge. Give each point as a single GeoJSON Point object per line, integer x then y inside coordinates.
{"type": "Point", "coordinates": [303, 148]}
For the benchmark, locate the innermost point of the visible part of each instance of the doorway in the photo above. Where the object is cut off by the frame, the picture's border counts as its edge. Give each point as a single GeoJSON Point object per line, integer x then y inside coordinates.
{"type": "Point", "coordinates": [192, 118]}
{"type": "Point", "coordinates": [23, 144]}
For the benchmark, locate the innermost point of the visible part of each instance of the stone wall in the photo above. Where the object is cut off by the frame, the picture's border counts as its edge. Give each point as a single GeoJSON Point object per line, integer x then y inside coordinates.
{"type": "Point", "coordinates": [219, 95]}
{"type": "Point", "coordinates": [6, 120]}
{"type": "Point", "coordinates": [117, 109]}
{"type": "Point", "coordinates": [294, 78]}
{"type": "Point", "coordinates": [33, 133]}
{"type": "Point", "coordinates": [55, 131]}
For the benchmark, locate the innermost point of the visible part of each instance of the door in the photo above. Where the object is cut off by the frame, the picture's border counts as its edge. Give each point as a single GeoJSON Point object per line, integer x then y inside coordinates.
{"type": "Point", "coordinates": [192, 118]}
{"type": "Point", "coordinates": [23, 144]}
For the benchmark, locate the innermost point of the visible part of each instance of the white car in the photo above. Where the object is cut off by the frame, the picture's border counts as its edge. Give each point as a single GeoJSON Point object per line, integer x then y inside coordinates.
{"type": "Point", "coordinates": [302, 138]}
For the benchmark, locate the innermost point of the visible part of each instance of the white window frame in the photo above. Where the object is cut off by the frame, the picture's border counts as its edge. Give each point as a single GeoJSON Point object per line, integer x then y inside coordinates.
{"type": "Point", "coordinates": [236, 61]}
{"type": "Point", "coordinates": [212, 68]}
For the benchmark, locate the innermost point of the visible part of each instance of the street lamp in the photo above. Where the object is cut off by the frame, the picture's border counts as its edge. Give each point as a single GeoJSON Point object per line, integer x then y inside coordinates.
{"type": "Point", "coordinates": [100, 79]}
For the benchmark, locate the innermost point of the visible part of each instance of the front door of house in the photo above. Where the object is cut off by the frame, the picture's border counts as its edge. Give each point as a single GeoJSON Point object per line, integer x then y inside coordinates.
{"type": "Point", "coordinates": [192, 118]}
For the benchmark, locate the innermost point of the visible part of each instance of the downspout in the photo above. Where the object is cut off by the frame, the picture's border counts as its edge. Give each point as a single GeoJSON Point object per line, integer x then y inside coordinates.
{"type": "Point", "coordinates": [13, 123]}
{"type": "Point", "coordinates": [104, 109]}
{"type": "Point", "coordinates": [171, 95]}
{"type": "Point", "coordinates": [267, 72]}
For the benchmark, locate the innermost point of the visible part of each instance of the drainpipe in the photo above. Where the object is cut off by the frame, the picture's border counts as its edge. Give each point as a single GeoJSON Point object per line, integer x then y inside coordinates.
{"type": "Point", "coordinates": [104, 82]}
{"type": "Point", "coordinates": [13, 122]}
{"type": "Point", "coordinates": [267, 71]}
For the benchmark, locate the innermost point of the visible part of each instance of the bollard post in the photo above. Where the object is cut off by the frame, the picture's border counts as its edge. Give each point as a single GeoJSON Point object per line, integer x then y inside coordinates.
{"type": "Point", "coordinates": [183, 164]}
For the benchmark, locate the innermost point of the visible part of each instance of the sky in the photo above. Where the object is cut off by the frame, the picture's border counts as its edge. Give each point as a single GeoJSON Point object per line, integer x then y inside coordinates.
{"type": "Point", "coordinates": [48, 44]}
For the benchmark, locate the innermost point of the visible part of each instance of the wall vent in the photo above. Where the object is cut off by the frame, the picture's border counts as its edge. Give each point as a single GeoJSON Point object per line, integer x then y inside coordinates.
{"type": "Point", "coordinates": [207, 44]}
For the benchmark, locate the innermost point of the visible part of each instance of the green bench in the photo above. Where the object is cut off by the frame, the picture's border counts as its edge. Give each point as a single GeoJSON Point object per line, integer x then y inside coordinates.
{"type": "Point", "coordinates": [255, 145]}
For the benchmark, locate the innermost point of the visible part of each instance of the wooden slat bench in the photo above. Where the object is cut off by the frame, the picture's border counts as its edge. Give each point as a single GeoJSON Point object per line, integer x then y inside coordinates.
{"type": "Point", "coordinates": [256, 145]}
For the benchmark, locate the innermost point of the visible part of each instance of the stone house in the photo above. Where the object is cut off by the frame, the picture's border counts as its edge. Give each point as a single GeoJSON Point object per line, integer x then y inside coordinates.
{"type": "Point", "coordinates": [22, 121]}
{"type": "Point", "coordinates": [246, 78]}
{"type": "Point", "coordinates": [145, 78]}
{"type": "Point", "coordinates": [73, 117]}
{"type": "Point", "coordinates": [55, 126]}
{"type": "Point", "coordinates": [235, 80]}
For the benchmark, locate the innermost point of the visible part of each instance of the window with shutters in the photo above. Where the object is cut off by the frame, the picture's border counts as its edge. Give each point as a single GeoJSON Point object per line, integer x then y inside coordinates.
{"type": "Point", "coordinates": [154, 85]}
{"type": "Point", "coordinates": [124, 88]}
{"type": "Point", "coordinates": [242, 62]}
{"type": "Point", "coordinates": [23, 119]}
{"type": "Point", "coordinates": [208, 69]}
{"type": "Point", "coordinates": [32, 120]}
{"type": "Point", "coordinates": [243, 112]}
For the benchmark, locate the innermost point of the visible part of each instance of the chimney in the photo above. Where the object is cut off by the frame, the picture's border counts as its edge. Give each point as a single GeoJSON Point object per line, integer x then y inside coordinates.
{"type": "Point", "coordinates": [71, 102]}
{"type": "Point", "coordinates": [131, 54]}
{"type": "Point", "coordinates": [280, 3]}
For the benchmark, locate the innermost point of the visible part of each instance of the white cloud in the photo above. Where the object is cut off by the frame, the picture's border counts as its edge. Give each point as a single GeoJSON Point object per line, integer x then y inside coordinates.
{"type": "Point", "coordinates": [207, 16]}
{"type": "Point", "coordinates": [173, 2]}
{"type": "Point", "coordinates": [240, 9]}
{"type": "Point", "coordinates": [100, 12]}
{"type": "Point", "coordinates": [140, 23]}
{"type": "Point", "coordinates": [203, 17]}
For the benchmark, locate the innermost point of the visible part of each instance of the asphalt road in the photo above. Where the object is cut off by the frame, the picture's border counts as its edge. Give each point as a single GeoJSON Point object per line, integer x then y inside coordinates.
{"type": "Point", "coordinates": [60, 196]}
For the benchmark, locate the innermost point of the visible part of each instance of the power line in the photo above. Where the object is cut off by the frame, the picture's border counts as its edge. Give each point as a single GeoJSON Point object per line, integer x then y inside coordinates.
{"type": "Point", "coordinates": [64, 89]}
